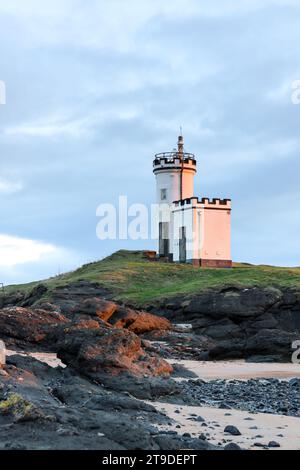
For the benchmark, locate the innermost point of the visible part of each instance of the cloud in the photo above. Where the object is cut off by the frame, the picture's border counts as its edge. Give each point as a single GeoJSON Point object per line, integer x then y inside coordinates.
{"type": "Point", "coordinates": [69, 125]}
{"type": "Point", "coordinates": [95, 89]}
{"type": "Point", "coordinates": [24, 259]}
{"type": "Point", "coordinates": [50, 128]}
{"type": "Point", "coordinates": [283, 93]}
{"type": "Point", "coordinates": [16, 250]}
{"type": "Point", "coordinates": [115, 24]}
{"type": "Point", "coordinates": [9, 187]}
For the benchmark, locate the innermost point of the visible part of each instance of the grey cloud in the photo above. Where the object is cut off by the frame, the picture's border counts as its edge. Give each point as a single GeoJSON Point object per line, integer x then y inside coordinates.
{"type": "Point", "coordinates": [109, 109]}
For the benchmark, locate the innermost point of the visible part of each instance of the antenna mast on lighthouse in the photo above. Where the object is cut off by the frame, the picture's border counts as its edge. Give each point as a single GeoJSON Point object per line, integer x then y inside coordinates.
{"type": "Point", "coordinates": [180, 144]}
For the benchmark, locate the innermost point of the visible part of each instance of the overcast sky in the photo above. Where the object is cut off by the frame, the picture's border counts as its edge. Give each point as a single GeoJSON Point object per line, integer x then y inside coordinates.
{"type": "Point", "coordinates": [95, 88]}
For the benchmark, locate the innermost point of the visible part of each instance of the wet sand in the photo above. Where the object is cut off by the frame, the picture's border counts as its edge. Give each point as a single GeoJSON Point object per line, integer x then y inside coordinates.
{"type": "Point", "coordinates": [240, 370]}
{"type": "Point", "coordinates": [48, 358]}
{"type": "Point", "coordinates": [269, 427]}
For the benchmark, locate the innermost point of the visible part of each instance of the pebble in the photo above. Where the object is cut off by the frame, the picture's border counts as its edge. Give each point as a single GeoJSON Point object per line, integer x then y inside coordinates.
{"type": "Point", "coordinates": [273, 444]}
{"type": "Point", "coordinates": [232, 446]}
{"type": "Point", "coordinates": [249, 395]}
{"type": "Point", "coordinates": [234, 431]}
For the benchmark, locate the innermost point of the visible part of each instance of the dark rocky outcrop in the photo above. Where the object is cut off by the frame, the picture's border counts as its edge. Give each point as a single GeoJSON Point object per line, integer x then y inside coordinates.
{"type": "Point", "coordinates": [108, 355]}
{"type": "Point", "coordinates": [19, 324]}
{"type": "Point", "coordinates": [240, 323]}
{"type": "Point", "coordinates": [69, 296]}
{"type": "Point", "coordinates": [86, 342]}
{"type": "Point", "coordinates": [230, 322]}
{"type": "Point", "coordinates": [115, 358]}
{"type": "Point", "coordinates": [51, 409]}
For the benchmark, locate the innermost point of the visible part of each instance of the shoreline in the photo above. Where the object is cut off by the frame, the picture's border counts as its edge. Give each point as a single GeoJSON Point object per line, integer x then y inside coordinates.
{"type": "Point", "coordinates": [285, 430]}
{"type": "Point", "coordinates": [237, 370]}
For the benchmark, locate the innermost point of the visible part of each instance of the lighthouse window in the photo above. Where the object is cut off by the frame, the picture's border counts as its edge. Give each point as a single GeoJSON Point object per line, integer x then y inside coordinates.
{"type": "Point", "coordinates": [163, 194]}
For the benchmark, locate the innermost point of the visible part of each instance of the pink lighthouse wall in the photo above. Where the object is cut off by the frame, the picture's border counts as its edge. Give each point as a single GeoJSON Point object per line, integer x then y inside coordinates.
{"type": "Point", "coordinates": [215, 247]}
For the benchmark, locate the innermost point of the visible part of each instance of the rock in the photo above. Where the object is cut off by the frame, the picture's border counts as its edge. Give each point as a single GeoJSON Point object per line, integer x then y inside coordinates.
{"type": "Point", "coordinates": [232, 446]}
{"type": "Point", "coordinates": [96, 306]}
{"type": "Point", "coordinates": [178, 443]}
{"type": "Point", "coordinates": [28, 324]}
{"type": "Point", "coordinates": [12, 299]}
{"type": "Point", "coordinates": [179, 371]}
{"type": "Point", "coordinates": [259, 444]}
{"type": "Point", "coordinates": [47, 306]}
{"type": "Point", "coordinates": [257, 323]}
{"type": "Point", "coordinates": [273, 444]}
{"type": "Point", "coordinates": [259, 395]}
{"type": "Point", "coordinates": [268, 341]}
{"type": "Point", "coordinates": [224, 406]}
{"type": "Point", "coordinates": [199, 419]}
{"type": "Point", "coordinates": [67, 297]}
{"type": "Point", "coordinates": [48, 404]}
{"type": "Point", "coordinates": [263, 343]}
{"type": "Point", "coordinates": [114, 402]}
{"type": "Point", "coordinates": [34, 295]}
{"type": "Point", "coordinates": [294, 382]}
{"type": "Point", "coordinates": [232, 430]}
{"type": "Point", "coordinates": [2, 354]}
{"type": "Point", "coordinates": [235, 302]}
{"type": "Point", "coordinates": [106, 351]}
{"type": "Point", "coordinates": [21, 409]}
{"type": "Point", "coordinates": [139, 322]}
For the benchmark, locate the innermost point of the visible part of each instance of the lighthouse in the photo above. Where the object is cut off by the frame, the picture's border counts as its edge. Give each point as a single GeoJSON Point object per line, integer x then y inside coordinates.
{"type": "Point", "coordinates": [191, 230]}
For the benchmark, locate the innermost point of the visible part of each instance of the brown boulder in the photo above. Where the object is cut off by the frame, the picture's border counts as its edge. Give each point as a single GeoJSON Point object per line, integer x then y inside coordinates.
{"type": "Point", "coordinates": [140, 322]}
{"type": "Point", "coordinates": [105, 350]}
{"type": "Point", "coordinates": [96, 306]}
{"type": "Point", "coordinates": [28, 324]}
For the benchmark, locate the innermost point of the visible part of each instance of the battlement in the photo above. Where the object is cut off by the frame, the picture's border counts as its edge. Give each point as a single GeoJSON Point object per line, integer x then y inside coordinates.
{"type": "Point", "coordinates": [174, 160]}
{"type": "Point", "coordinates": [216, 202]}
{"type": "Point", "coordinates": [205, 201]}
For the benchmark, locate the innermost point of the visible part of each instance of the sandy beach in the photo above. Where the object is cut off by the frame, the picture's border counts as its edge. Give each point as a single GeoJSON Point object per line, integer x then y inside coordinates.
{"type": "Point", "coordinates": [239, 370]}
{"type": "Point", "coordinates": [48, 358]}
{"type": "Point", "coordinates": [255, 428]}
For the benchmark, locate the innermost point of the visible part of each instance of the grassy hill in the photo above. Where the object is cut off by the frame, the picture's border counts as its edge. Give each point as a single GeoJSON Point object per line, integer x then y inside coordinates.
{"type": "Point", "coordinates": [132, 277]}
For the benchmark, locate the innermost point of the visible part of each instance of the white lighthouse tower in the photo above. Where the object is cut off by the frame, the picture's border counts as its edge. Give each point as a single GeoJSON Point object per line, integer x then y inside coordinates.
{"type": "Point", "coordinates": [174, 172]}
{"type": "Point", "coordinates": [191, 230]}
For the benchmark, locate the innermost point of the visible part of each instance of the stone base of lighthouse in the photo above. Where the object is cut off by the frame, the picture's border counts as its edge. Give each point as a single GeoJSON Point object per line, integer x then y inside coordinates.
{"type": "Point", "coordinates": [212, 263]}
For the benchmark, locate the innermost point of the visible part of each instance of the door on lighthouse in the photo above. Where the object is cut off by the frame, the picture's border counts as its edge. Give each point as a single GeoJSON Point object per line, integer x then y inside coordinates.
{"type": "Point", "coordinates": [182, 244]}
{"type": "Point", "coordinates": [164, 239]}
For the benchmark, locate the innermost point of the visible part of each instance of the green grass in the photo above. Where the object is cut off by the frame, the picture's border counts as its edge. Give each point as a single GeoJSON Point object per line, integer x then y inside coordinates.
{"type": "Point", "coordinates": [132, 278]}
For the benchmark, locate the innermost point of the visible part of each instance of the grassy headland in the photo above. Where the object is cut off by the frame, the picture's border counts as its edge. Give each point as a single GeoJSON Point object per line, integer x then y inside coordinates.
{"type": "Point", "coordinates": [131, 277]}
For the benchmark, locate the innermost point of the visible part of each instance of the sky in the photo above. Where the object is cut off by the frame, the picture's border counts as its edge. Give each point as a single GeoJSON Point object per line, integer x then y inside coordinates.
{"type": "Point", "coordinates": [94, 89]}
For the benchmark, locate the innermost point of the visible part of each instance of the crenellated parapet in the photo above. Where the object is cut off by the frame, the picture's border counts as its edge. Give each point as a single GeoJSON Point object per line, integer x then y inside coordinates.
{"type": "Point", "coordinates": [225, 203]}
{"type": "Point", "coordinates": [174, 160]}
{"type": "Point", "coordinates": [216, 203]}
